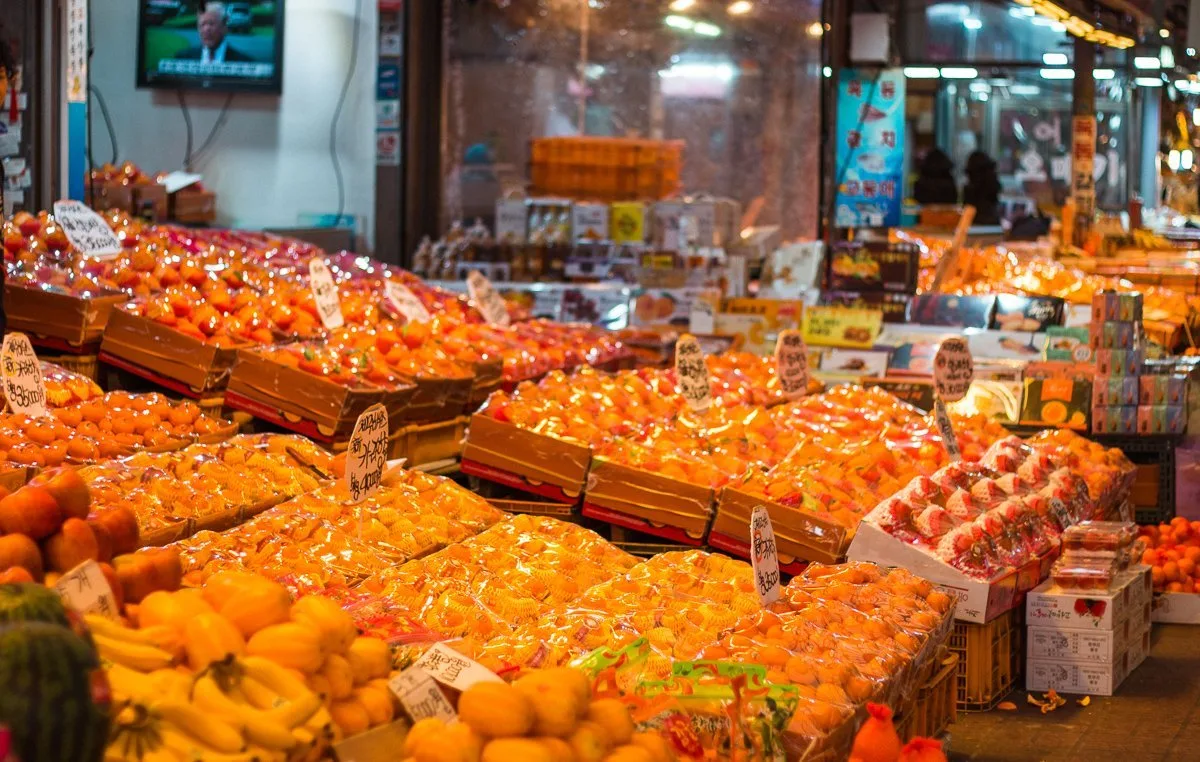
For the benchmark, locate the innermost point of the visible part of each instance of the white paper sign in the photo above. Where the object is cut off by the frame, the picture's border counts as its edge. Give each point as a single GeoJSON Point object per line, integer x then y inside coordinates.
{"type": "Point", "coordinates": [421, 697]}
{"type": "Point", "coordinates": [405, 302]}
{"type": "Point", "coordinates": [367, 454]}
{"type": "Point", "coordinates": [946, 427]}
{"type": "Point", "coordinates": [692, 372]}
{"type": "Point", "coordinates": [953, 369]}
{"type": "Point", "coordinates": [487, 300]}
{"type": "Point", "coordinates": [24, 387]}
{"type": "Point", "coordinates": [452, 669]}
{"type": "Point", "coordinates": [86, 589]}
{"type": "Point", "coordinates": [87, 231]}
{"type": "Point", "coordinates": [791, 363]}
{"type": "Point", "coordinates": [177, 181]}
{"type": "Point", "coordinates": [325, 294]}
{"type": "Point", "coordinates": [763, 557]}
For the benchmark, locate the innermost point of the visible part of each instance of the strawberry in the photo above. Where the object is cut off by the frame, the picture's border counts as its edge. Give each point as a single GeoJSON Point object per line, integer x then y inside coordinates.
{"type": "Point", "coordinates": [1097, 608]}
{"type": "Point", "coordinates": [1081, 606]}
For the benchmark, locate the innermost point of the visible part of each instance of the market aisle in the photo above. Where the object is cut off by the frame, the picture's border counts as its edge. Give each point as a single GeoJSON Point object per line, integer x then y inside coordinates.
{"type": "Point", "coordinates": [1154, 716]}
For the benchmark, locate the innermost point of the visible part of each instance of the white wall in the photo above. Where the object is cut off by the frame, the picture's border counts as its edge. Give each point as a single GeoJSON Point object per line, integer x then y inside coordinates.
{"type": "Point", "coordinates": [271, 160]}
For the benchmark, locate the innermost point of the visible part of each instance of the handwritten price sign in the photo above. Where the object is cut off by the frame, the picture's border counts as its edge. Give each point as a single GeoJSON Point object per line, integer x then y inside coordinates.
{"type": "Point", "coordinates": [86, 589]}
{"type": "Point", "coordinates": [405, 302]}
{"type": "Point", "coordinates": [487, 300]}
{"type": "Point", "coordinates": [24, 387]}
{"type": "Point", "coordinates": [764, 558]}
{"type": "Point", "coordinates": [953, 369]}
{"type": "Point", "coordinates": [368, 453]}
{"type": "Point", "coordinates": [86, 230]}
{"type": "Point", "coordinates": [692, 372]}
{"type": "Point", "coordinates": [325, 294]}
{"type": "Point", "coordinates": [421, 696]}
{"type": "Point", "coordinates": [791, 363]}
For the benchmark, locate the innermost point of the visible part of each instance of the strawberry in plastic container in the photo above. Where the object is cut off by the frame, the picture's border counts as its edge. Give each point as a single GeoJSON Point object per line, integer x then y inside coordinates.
{"type": "Point", "coordinates": [987, 493]}
{"type": "Point", "coordinates": [965, 549]}
{"type": "Point", "coordinates": [1005, 538]}
{"type": "Point", "coordinates": [933, 522]}
{"type": "Point", "coordinates": [962, 506]}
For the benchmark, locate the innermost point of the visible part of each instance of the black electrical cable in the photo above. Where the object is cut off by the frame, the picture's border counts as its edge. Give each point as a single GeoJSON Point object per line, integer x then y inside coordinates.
{"type": "Point", "coordinates": [187, 120]}
{"type": "Point", "coordinates": [337, 114]}
{"type": "Point", "coordinates": [216, 128]}
{"type": "Point", "coordinates": [108, 125]}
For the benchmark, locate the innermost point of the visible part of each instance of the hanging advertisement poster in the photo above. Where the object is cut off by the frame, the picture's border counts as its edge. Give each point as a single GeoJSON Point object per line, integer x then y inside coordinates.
{"type": "Point", "coordinates": [870, 148]}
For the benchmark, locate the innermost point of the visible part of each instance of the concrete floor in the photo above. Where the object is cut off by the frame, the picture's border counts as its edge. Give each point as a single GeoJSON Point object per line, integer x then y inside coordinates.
{"type": "Point", "coordinates": [1155, 716]}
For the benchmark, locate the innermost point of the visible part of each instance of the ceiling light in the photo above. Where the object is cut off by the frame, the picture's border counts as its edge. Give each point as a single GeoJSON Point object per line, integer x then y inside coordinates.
{"type": "Point", "coordinates": [982, 97]}
{"type": "Point", "coordinates": [1103, 74]}
{"type": "Point", "coordinates": [681, 5]}
{"type": "Point", "coordinates": [1173, 160]}
{"type": "Point", "coordinates": [1058, 74]}
{"type": "Point", "coordinates": [980, 87]}
{"type": "Point", "coordinates": [740, 8]}
{"type": "Point", "coordinates": [1190, 51]}
{"type": "Point", "coordinates": [1146, 62]}
{"type": "Point", "coordinates": [721, 71]}
{"type": "Point", "coordinates": [1163, 33]}
{"type": "Point", "coordinates": [828, 72]}
{"type": "Point", "coordinates": [1058, 26]}
{"type": "Point", "coordinates": [1054, 59]}
{"type": "Point", "coordinates": [921, 72]}
{"type": "Point", "coordinates": [815, 29]}
{"type": "Point", "coordinates": [1024, 90]}
{"type": "Point", "coordinates": [1185, 158]}
{"type": "Point", "coordinates": [679, 22]}
{"type": "Point", "coordinates": [705, 29]}
{"type": "Point", "coordinates": [959, 72]}
{"type": "Point", "coordinates": [1148, 82]}
{"type": "Point", "coordinates": [1196, 116]}
{"type": "Point", "coordinates": [971, 22]}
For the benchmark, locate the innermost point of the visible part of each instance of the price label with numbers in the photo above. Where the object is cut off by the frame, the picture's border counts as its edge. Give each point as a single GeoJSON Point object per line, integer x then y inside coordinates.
{"type": "Point", "coordinates": [367, 454]}
{"type": "Point", "coordinates": [24, 387]}
{"type": "Point", "coordinates": [953, 370]}
{"type": "Point", "coordinates": [325, 294]}
{"type": "Point", "coordinates": [791, 363]}
{"type": "Point", "coordinates": [86, 589]}
{"type": "Point", "coordinates": [692, 372]}
{"type": "Point", "coordinates": [405, 302]}
{"type": "Point", "coordinates": [87, 231]}
{"type": "Point", "coordinates": [487, 299]}
{"type": "Point", "coordinates": [763, 556]}
{"type": "Point", "coordinates": [421, 696]}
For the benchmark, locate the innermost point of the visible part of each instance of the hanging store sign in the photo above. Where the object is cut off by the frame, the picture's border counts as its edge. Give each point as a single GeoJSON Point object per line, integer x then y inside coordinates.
{"type": "Point", "coordinates": [870, 148]}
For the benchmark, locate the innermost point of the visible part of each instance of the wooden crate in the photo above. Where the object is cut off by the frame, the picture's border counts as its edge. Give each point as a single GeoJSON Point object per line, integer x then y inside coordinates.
{"type": "Point", "coordinates": [988, 660]}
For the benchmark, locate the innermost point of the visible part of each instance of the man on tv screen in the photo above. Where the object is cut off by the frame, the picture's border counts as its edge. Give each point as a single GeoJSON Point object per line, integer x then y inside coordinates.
{"type": "Point", "coordinates": [213, 48]}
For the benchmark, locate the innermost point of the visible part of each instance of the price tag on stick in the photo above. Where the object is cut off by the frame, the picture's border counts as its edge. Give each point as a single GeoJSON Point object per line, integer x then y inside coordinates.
{"type": "Point", "coordinates": [24, 387]}
{"type": "Point", "coordinates": [763, 556]}
{"type": "Point", "coordinates": [86, 230]}
{"type": "Point", "coordinates": [325, 294]}
{"type": "Point", "coordinates": [693, 373]}
{"type": "Point", "coordinates": [405, 302]}
{"type": "Point", "coordinates": [791, 363]}
{"type": "Point", "coordinates": [953, 372]}
{"type": "Point", "coordinates": [367, 454]}
{"type": "Point", "coordinates": [86, 589]}
{"type": "Point", "coordinates": [487, 300]}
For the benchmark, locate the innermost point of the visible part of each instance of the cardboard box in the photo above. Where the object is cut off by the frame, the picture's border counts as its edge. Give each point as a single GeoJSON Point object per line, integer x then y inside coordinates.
{"type": "Point", "coordinates": [1115, 391]}
{"type": "Point", "coordinates": [1161, 419]}
{"type": "Point", "coordinates": [73, 320]}
{"type": "Point", "coordinates": [1057, 394]}
{"type": "Point", "coordinates": [1118, 362]}
{"type": "Point", "coordinates": [1111, 334]}
{"type": "Point", "coordinates": [1047, 606]}
{"type": "Point", "coordinates": [799, 535]}
{"type": "Point", "coordinates": [893, 306]}
{"type": "Point", "coordinates": [660, 501]}
{"type": "Point", "coordinates": [1068, 344]}
{"type": "Point", "coordinates": [150, 202]}
{"type": "Point", "coordinates": [1069, 677]}
{"type": "Point", "coordinates": [1072, 645]}
{"type": "Point", "coordinates": [1027, 314]}
{"type": "Point", "coordinates": [887, 267]}
{"type": "Point", "coordinates": [1176, 608]}
{"type": "Point", "coordinates": [432, 399]}
{"type": "Point", "coordinates": [146, 344]}
{"type": "Point", "coordinates": [1121, 419]}
{"type": "Point", "coordinates": [191, 206]}
{"type": "Point", "coordinates": [525, 460]}
{"type": "Point", "coordinates": [1162, 389]}
{"type": "Point", "coordinates": [952, 310]}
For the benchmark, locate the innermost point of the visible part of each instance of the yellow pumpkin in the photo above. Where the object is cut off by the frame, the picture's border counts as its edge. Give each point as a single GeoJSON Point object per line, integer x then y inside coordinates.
{"type": "Point", "coordinates": [335, 626]}
{"type": "Point", "coordinates": [256, 606]}
{"type": "Point", "coordinates": [291, 644]}
{"type": "Point", "coordinates": [210, 637]}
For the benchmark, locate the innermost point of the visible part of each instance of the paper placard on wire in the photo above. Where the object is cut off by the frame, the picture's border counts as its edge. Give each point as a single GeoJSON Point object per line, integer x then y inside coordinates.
{"type": "Point", "coordinates": [86, 589]}
{"type": "Point", "coordinates": [692, 372]}
{"type": "Point", "coordinates": [421, 697]}
{"type": "Point", "coordinates": [953, 369]}
{"type": "Point", "coordinates": [764, 558]}
{"type": "Point", "coordinates": [487, 299]}
{"type": "Point", "coordinates": [367, 454]}
{"type": "Point", "coordinates": [405, 302]}
{"type": "Point", "coordinates": [87, 231]}
{"type": "Point", "coordinates": [325, 294]}
{"type": "Point", "coordinates": [791, 363]}
{"type": "Point", "coordinates": [946, 428]}
{"type": "Point", "coordinates": [24, 387]}
{"type": "Point", "coordinates": [452, 669]}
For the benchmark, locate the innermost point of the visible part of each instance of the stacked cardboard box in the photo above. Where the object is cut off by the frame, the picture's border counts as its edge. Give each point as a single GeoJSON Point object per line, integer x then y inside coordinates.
{"type": "Point", "coordinates": [1087, 642]}
{"type": "Point", "coordinates": [1115, 338]}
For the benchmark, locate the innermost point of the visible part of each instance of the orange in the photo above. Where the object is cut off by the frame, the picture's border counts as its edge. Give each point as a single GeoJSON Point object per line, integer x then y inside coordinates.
{"type": "Point", "coordinates": [1171, 571]}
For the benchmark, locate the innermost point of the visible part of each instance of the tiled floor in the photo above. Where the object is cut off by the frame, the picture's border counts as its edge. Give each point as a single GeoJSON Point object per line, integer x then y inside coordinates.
{"type": "Point", "coordinates": [1155, 716]}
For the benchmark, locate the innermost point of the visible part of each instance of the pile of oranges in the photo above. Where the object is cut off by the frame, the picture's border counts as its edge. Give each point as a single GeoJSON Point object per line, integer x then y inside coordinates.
{"type": "Point", "coordinates": [1173, 553]}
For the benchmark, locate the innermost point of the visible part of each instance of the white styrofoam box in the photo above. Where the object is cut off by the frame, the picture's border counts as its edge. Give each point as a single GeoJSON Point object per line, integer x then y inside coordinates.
{"type": "Point", "coordinates": [1067, 677]}
{"type": "Point", "coordinates": [1090, 646]}
{"type": "Point", "coordinates": [1139, 617]}
{"type": "Point", "coordinates": [1176, 608]}
{"type": "Point", "coordinates": [1139, 647]}
{"type": "Point", "coordinates": [1048, 606]}
{"type": "Point", "coordinates": [1142, 586]}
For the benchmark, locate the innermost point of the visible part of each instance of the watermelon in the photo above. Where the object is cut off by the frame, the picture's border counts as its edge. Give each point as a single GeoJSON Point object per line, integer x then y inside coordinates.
{"type": "Point", "coordinates": [30, 602]}
{"type": "Point", "coordinates": [55, 697]}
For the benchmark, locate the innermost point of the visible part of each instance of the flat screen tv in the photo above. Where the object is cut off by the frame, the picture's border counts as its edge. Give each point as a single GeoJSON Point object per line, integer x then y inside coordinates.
{"type": "Point", "coordinates": [214, 46]}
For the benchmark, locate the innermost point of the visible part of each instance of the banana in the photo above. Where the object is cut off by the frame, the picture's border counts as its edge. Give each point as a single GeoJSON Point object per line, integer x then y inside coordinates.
{"type": "Point", "coordinates": [273, 676]}
{"type": "Point", "coordinates": [157, 635]}
{"type": "Point", "coordinates": [137, 656]}
{"type": "Point", "coordinates": [305, 741]}
{"type": "Point", "coordinates": [320, 724]}
{"type": "Point", "coordinates": [204, 727]}
{"type": "Point", "coordinates": [256, 724]}
{"type": "Point", "coordinates": [296, 711]}
{"type": "Point", "coordinates": [188, 749]}
{"type": "Point", "coordinates": [128, 683]}
{"type": "Point", "coordinates": [170, 683]}
{"type": "Point", "coordinates": [259, 695]}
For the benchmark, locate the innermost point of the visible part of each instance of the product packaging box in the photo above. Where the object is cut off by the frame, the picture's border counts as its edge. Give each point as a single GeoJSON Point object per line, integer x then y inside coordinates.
{"type": "Point", "coordinates": [1121, 419]}
{"type": "Point", "coordinates": [1113, 305]}
{"type": "Point", "coordinates": [1118, 362]}
{"type": "Point", "coordinates": [1113, 335]}
{"type": "Point", "coordinates": [1163, 390]}
{"type": "Point", "coordinates": [1114, 391]}
{"type": "Point", "coordinates": [1034, 314]}
{"type": "Point", "coordinates": [1048, 606]}
{"type": "Point", "coordinates": [888, 267]}
{"type": "Point", "coordinates": [1068, 343]}
{"type": "Point", "coordinates": [1161, 419]}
